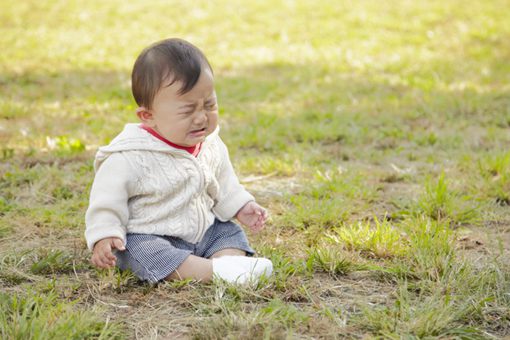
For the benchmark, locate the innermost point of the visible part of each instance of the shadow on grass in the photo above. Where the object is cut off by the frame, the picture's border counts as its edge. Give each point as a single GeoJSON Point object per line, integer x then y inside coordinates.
{"type": "Point", "coordinates": [268, 105]}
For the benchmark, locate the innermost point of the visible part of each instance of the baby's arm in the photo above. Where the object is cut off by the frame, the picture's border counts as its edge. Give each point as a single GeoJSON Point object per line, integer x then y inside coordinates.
{"type": "Point", "coordinates": [107, 214]}
{"type": "Point", "coordinates": [234, 200]}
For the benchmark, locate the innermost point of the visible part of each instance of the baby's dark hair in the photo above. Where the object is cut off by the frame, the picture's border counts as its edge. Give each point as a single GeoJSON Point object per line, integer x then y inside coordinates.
{"type": "Point", "coordinates": [170, 59]}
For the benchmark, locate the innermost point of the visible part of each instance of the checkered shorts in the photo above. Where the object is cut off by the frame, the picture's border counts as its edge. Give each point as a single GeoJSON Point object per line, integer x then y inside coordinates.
{"type": "Point", "coordinates": [153, 257]}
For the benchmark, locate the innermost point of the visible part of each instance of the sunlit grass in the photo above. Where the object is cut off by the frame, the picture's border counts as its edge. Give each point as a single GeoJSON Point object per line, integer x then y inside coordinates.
{"type": "Point", "coordinates": [441, 203]}
{"type": "Point", "coordinates": [431, 247]}
{"type": "Point", "coordinates": [381, 240]}
{"type": "Point", "coordinates": [426, 316]}
{"type": "Point", "coordinates": [334, 261]}
{"type": "Point", "coordinates": [43, 315]}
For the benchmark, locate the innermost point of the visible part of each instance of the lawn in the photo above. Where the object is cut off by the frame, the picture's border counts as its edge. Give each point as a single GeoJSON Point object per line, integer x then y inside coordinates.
{"type": "Point", "coordinates": [377, 133]}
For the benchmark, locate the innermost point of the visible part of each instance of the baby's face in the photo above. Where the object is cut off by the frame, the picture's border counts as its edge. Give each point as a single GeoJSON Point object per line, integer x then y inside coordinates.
{"type": "Point", "coordinates": [186, 119]}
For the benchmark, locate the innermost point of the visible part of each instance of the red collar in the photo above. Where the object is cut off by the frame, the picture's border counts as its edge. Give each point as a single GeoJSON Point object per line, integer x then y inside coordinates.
{"type": "Point", "coordinates": [194, 150]}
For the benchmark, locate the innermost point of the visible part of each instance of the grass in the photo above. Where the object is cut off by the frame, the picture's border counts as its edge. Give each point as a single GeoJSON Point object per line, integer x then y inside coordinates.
{"type": "Point", "coordinates": [430, 316]}
{"type": "Point", "coordinates": [375, 132]}
{"type": "Point", "coordinates": [381, 241]}
{"type": "Point", "coordinates": [440, 203]}
{"type": "Point", "coordinates": [44, 315]}
{"type": "Point", "coordinates": [495, 170]}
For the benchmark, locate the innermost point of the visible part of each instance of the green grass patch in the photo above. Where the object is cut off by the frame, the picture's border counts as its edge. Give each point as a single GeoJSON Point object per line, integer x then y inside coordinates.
{"type": "Point", "coordinates": [437, 315]}
{"type": "Point", "coordinates": [381, 240]}
{"type": "Point", "coordinates": [440, 202]}
{"type": "Point", "coordinates": [52, 262]}
{"type": "Point", "coordinates": [459, 304]}
{"type": "Point", "coordinates": [495, 169]}
{"type": "Point", "coordinates": [431, 248]}
{"type": "Point", "coordinates": [269, 166]}
{"type": "Point", "coordinates": [43, 315]}
{"type": "Point", "coordinates": [334, 261]}
{"type": "Point", "coordinates": [328, 200]}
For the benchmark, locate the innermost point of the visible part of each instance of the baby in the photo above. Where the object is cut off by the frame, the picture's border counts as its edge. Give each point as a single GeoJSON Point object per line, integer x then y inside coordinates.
{"type": "Point", "coordinates": [165, 191]}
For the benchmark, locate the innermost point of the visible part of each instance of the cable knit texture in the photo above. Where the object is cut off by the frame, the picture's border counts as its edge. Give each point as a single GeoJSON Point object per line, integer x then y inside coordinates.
{"type": "Point", "coordinates": [143, 185]}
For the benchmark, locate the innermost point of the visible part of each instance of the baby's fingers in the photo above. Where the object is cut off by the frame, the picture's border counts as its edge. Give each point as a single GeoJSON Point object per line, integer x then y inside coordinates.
{"type": "Point", "coordinates": [257, 226]}
{"type": "Point", "coordinates": [109, 259]}
{"type": "Point", "coordinates": [109, 255]}
{"type": "Point", "coordinates": [98, 262]}
{"type": "Point", "coordinates": [262, 220]}
{"type": "Point", "coordinates": [104, 259]}
{"type": "Point", "coordinates": [117, 243]}
{"type": "Point", "coordinates": [105, 263]}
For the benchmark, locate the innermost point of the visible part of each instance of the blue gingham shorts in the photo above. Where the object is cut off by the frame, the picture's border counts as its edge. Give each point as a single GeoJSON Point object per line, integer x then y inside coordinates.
{"type": "Point", "coordinates": [153, 257]}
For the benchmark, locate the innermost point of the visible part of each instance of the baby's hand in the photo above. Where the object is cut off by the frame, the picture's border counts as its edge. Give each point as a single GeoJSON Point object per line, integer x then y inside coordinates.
{"type": "Point", "coordinates": [253, 216]}
{"type": "Point", "coordinates": [102, 255]}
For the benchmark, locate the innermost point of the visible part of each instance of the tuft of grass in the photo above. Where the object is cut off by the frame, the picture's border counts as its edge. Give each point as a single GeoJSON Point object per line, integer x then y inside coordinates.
{"type": "Point", "coordinates": [436, 315]}
{"type": "Point", "coordinates": [12, 267]}
{"type": "Point", "coordinates": [495, 165]}
{"type": "Point", "coordinates": [284, 313]}
{"type": "Point", "coordinates": [306, 212]}
{"type": "Point", "coordinates": [286, 268]}
{"type": "Point", "coordinates": [5, 206]}
{"type": "Point", "coordinates": [335, 182]}
{"type": "Point", "coordinates": [333, 261]}
{"type": "Point", "coordinates": [5, 228]}
{"type": "Point", "coordinates": [116, 280]}
{"type": "Point", "coordinates": [462, 303]}
{"type": "Point", "coordinates": [431, 247]}
{"type": "Point", "coordinates": [43, 315]}
{"type": "Point", "coordinates": [380, 241]}
{"type": "Point", "coordinates": [328, 199]}
{"type": "Point", "coordinates": [222, 297]}
{"type": "Point", "coordinates": [441, 203]}
{"type": "Point", "coordinates": [235, 325]}
{"type": "Point", "coordinates": [52, 262]}
{"type": "Point", "coordinates": [276, 320]}
{"type": "Point", "coordinates": [495, 170]}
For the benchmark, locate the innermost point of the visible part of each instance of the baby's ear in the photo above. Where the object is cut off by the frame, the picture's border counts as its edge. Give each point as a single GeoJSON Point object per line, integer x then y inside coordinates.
{"type": "Point", "coordinates": [145, 116]}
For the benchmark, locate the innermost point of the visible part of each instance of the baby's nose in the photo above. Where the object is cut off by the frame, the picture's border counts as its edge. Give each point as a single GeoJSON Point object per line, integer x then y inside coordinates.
{"type": "Point", "coordinates": [201, 115]}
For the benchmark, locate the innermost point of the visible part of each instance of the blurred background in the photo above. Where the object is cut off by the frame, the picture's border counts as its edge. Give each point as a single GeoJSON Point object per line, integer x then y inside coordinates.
{"type": "Point", "coordinates": [358, 71]}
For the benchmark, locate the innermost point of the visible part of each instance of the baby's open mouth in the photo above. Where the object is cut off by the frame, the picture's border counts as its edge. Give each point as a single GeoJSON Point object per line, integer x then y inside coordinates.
{"type": "Point", "coordinates": [198, 130]}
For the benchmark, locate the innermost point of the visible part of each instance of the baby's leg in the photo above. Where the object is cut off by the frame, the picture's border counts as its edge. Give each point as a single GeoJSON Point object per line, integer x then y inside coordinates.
{"type": "Point", "coordinates": [194, 267]}
{"type": "Point", "coordinates": [154, 258]}
{"type": "Point", "coordinates": [225, 243]}
{"type": "Point", "coordinates": [221, 253]}
{"type": "Point", "coordinates": [233, 268]}
{"type": "Point", "coordinates": [229, 252]}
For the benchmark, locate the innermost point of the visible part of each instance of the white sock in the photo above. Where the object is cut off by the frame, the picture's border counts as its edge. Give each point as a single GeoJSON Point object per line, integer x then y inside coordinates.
{"type": "Point", "coordinates": [241, 269]}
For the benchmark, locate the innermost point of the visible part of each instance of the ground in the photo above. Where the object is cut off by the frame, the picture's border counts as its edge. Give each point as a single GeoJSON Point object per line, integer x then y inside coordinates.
{"type": "Point", "coordinates": [376, 133]}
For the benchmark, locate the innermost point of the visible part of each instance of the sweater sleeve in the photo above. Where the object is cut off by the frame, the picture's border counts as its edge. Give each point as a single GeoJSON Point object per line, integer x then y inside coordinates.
{"type": "Point", "coordinates": [232, 196]}
{"type": "Point", "coordinates": [108, 213]}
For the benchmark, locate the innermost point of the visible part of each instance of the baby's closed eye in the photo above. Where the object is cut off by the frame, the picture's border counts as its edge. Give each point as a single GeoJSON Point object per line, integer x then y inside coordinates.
{"type": "Point", "coordinates": [210, 105]}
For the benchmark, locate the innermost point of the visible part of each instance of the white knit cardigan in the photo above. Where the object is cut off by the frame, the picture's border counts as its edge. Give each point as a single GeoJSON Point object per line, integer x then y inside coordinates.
{"type": "Point", "coordinates": [142, 185]}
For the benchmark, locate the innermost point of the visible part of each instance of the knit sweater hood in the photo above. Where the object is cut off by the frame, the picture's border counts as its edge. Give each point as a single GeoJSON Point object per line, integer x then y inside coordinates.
{"type": "Point", "coordinates": [134, 138]}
